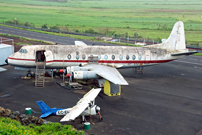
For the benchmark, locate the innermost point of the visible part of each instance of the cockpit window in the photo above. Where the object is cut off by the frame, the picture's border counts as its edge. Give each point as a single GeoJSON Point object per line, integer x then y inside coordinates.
{"type": "Point", "coordinates": [23, 51]}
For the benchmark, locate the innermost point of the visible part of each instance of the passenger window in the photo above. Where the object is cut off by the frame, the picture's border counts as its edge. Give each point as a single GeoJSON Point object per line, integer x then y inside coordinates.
{"type": "Point", "coordinates": [133, 57]}
{"type": "Point", "coordinates": [77, 56]}
{"type": "Point", "coordinates": [83, 56]}
{"type": "Point", "coordinates": [99, 57]}
{"type": "Point", "coordinates": [120, 57]}
{"type": "Point", "coordinates": [127, 57]}
{"type": "Point", "coordinates": [105, 57]}
{"type": "Point", "coordinates": [113, 57]}
{"type": "Point", "coordinates": [139, 57]}
{"type": "Point", "coordinates": [69, 56]}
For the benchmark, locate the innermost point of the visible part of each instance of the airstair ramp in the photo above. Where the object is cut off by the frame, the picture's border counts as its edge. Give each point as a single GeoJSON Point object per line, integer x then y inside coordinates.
{"type": "Point", "coordinates": [40, 75]}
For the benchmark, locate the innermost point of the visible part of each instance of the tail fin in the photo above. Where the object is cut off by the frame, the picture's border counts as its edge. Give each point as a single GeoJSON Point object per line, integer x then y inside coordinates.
{"type": "Point", "coordinates": [44, 108]}
{"type": "Point", "coordinates": [176, 40]}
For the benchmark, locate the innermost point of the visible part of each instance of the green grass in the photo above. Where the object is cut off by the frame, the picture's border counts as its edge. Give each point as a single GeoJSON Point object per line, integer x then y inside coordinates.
{"type": "Point", "coordinates": [198, 54]}
{"type": "Point", "coordinates": [13, 127]}
{"type": "Point", "coordinates": [152, 19]}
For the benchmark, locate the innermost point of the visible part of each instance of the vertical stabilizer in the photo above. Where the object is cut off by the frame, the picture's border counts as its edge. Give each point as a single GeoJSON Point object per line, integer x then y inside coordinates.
{"type": "Point", "coordinates": [176, 40]}
{"type": "Point", "coordinates": [44, 108]}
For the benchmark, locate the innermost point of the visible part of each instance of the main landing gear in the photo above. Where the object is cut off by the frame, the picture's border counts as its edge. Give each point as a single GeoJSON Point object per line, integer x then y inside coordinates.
{"type": "Point", "coordinates": [30, 74]}
{"type": "Point", "coordinates": [138, 70]}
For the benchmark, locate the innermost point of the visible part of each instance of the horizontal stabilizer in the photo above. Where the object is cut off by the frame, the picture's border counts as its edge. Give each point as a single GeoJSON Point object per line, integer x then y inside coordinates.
{"type": "Point", "coordinates": [80, 43]}
{"type": "Point", "coordinates": [45, 114]}
{"type": "Point", "coordinates": [183, 53]}
{"type": "Point", "coordinates": [2, 69]}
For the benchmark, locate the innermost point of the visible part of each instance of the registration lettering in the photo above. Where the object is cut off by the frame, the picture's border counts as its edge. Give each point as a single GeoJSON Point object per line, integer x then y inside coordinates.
{"type": "Point", "coordinates": [62, 112]}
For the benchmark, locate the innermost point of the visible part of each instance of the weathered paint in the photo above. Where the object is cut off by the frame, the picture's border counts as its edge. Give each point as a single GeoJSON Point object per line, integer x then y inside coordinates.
{"type": "Point", "coordinates": [58, 56]}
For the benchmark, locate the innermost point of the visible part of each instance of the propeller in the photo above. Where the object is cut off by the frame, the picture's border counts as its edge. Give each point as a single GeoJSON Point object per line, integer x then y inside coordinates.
{"type": "Point", "coordinates": [97, 108]}
{"type": "Point", "coordinates": [69, 73]}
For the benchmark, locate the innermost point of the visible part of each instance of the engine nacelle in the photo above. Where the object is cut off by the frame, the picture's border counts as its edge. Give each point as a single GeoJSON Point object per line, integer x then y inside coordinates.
{"type": "Point", "coordinates": [75, 68]}
{"type": "Point", "coordinates": [85, 75]}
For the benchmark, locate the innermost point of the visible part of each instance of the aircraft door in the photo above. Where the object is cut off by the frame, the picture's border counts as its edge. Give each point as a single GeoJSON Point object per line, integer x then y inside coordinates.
{"type": "Point", "coordinates": [147, 55]}
{"type": "Point", "coordinates": [49, 57]}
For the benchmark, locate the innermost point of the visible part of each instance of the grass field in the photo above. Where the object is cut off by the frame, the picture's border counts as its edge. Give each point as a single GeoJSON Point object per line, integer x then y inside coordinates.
{"type": "Point", "coordinates": [152, 19]}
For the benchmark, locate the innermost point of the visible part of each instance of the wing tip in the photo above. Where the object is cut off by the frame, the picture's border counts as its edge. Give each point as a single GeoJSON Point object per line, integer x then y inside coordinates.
{"type": "Point", "coordinates": [63, 120]}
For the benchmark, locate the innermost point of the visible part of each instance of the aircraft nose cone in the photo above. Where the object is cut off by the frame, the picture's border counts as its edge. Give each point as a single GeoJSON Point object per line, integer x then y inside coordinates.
{"type": "Point", "coordinates": [6, 61]}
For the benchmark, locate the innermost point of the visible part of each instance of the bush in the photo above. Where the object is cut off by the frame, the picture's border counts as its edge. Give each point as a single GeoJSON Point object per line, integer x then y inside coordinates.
{"type": "Point", "coordinates": [54, 28]}
{"type": "Point", "coordinates": [14, 22]}
{"type": "Point", "coordinates": [44, 26]}
{"type": "Point", "coordinates": [13, 127]}
{"type": "Point", "coordinates": [28, 24]}
{"type": "Point", "coordinates": [90, 30]}
{"type": "Point", "coordinates": [56, 129]}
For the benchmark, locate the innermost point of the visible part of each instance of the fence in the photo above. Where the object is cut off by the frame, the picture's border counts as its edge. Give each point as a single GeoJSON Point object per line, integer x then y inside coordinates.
{"type": "Point", "coordinates": [3, 40]}
{"type": "Point", "coordinates": [119, 39]}
{"type": "Point", "coordinates": [98, 36]}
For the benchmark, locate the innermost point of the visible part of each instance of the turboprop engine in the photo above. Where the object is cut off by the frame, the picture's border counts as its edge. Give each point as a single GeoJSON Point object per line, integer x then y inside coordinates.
{"type": "Point", "coordinates": [84, 75]}
{"type": "Point", "coordinates": [80, 73]}
{"type": "Point", "coordinates": [75, 68]}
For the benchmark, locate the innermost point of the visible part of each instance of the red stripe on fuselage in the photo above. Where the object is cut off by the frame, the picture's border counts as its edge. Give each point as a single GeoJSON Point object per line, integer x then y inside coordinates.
{"type": "Point", "coordinates": [101, 61]}
{"type": "Point", "coordinates": [21, 59]}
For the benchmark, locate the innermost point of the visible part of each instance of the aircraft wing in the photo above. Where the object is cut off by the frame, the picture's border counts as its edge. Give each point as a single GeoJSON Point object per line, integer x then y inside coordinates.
{"type": "Point", "coordinates": [108, 73]}
{"type": "Point", "coordinates": [81, 105]}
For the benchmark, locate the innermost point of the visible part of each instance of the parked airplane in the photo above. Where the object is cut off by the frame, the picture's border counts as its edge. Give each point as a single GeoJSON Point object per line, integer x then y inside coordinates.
{"type": "Point", "coordinates": [84, 107]}
{"type": "Point", "coordinates": [88, 62]}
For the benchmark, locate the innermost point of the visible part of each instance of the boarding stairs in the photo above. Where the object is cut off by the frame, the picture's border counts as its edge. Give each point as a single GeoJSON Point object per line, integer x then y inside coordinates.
{"type": "Point", "coordinates": [40, 74]}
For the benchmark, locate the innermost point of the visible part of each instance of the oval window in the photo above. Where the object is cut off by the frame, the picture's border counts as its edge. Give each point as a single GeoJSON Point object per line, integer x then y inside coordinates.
{"type": "Point", "coordinates": [120, 57]}
{"type": "Point", "coordinates": [127, 57]}
{"type": "Point", "coordinates": [105, 57]}
{"type": "Point", "coordinates": [133, 57]}
{"type": "Point", "coordinates": [113, 57]}
{"type": "Point", "coordinates": [69, 56]}
{"type": "Point", "coordinates": [83, 56]}
{"type": "Point", "coordinates": [77, 56]}
{"type": "Point", "coordinates": [139, 57]}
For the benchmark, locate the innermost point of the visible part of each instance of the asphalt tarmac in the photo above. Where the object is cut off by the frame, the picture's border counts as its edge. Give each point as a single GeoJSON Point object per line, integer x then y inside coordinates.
{"type": "Point", "coordinates": [45, 37]}
{"type": "Point", "coordinates": [165, 100]}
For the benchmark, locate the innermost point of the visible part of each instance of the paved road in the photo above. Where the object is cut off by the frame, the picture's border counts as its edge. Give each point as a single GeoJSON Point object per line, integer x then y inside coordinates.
{"type": "Point", "coordinates": [45, 37]}
{"type": "Point", "coordinates": [165, 100]}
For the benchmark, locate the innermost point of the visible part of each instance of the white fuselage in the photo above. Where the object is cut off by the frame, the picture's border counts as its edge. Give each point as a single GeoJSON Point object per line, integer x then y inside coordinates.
{"type": "Point", "coordinates": [60, 56]}
{"type": "Point", "coordinates": [87, 112]}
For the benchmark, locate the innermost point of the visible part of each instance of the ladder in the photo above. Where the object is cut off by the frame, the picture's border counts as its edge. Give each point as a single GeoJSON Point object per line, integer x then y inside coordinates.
{"type": "Point", "coordinates": [40, 74]}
